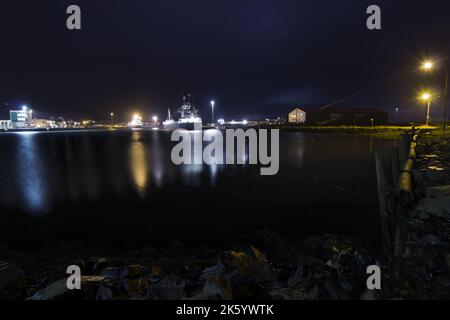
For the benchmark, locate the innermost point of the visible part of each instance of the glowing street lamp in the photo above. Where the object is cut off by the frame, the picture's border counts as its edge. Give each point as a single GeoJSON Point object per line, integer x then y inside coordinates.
{"type": "Point", "coordinates": [212, 110]}
{"type": "Point", "coordinates": [155, 119]}
{"type": "Point", "coordinates": [427, 65]}
{"type": "Point", "coordinates": [427, 98]}
{"type": "Point", "coordinates": [112, 119]}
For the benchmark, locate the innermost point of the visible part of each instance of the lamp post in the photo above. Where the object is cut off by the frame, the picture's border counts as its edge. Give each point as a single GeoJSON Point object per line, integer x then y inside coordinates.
{"type": "Point", "coordinates": [446, 98]}
{"type": "Point", "coordinates": [396, 115]}
{"type": "Point", "coordinates": [428, 66]}
{"type": "Point", "coordinates": [112, 119]}
{"type": "Point", "coordinates": [427, 98]}
{"type": "Point", "coordinates": [212, 110]}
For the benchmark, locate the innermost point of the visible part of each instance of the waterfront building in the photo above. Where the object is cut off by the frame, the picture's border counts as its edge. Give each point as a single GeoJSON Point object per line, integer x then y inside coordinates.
{"type": "Point", "coordinates": [5, 124]}
{"type": "Point", "coordinates": [297, 116]}
{"type": "Point", "coordinates": [20, 118]}
{"type": "Point", "coordinates": [43, 123]}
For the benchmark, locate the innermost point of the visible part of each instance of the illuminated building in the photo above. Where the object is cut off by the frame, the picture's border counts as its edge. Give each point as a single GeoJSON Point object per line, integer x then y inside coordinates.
{"type": "Point", "coordinates": [297, 116]}
{"type": "Point", "coordinates": [20, 118]}
{"type": "Point", "coordinates": [5, 124]}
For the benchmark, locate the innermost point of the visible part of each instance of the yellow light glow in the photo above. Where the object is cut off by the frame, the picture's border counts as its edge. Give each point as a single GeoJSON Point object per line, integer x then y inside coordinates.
{"type": "Point", "coordinates": [425, 96]}
{"type": "Point", "coordinates": [427, 65]}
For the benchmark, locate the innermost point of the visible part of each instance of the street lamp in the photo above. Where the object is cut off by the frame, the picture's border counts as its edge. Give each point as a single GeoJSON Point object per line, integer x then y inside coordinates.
{"type": "Point", "coordinates": [155, 119]}
{"type": "Point", "coordinates": [396, 115]}
{"type": "Point", "coordinates": [428, 65]}
{"type": "Point", "coordinates": [112, 119]}
{"type": "Point", "coordinates": [212, 110]}
{"type": "Point", "coordinates": [427, 98]}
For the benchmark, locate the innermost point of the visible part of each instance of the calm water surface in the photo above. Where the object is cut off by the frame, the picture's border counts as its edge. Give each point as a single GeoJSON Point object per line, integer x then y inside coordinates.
{"type": "Point", "coordinates": [122, 184]}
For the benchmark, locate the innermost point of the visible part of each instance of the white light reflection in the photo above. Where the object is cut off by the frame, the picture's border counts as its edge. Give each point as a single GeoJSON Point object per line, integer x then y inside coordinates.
{"type": "Point", "coordinates": [30, 174]}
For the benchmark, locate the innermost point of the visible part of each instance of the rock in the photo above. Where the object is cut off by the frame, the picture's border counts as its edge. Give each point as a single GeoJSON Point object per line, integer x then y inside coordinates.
{"type": "Point", "coordinates": [171, 287]}
{"type": "Point", "coordinates": [306, 267]}
{"type": "Point", "coordinates": [137, 280]}
{"type": "Point", "coordinates": [133, 279]}
{"type": "Point", "coordinates": [58, 290]}
{"type": "Point", "coordinates": [247, 267]}
{"type": "Point", "coordinates": [438, 201]}
{"type": "Point", "coordinates": [11, 277]}
{"type": "Point", "coordinates": [261, 257]}
{"type": "Point", "coordinates": [105, 293]}
{"type": "Point", "coordinates": [290, 294]}
{"type": "Point", "coordinates": [115, 273]}
{"type": "Point", "coordinates": [156, 270]}
{"type": "Point", "coordinates": [216, 287]}
{"type": "Point", "coordinates": [96, 264]}
{"type": "Point", "coordinates": [194, 265]}
{"type": "Point", "coordinates": [52, 291]}
{"type": "Point", "coordinates": [435, 176]}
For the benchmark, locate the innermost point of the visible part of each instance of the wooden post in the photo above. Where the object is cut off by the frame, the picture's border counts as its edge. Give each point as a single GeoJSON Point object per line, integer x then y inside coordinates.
{"type": "Point", "coordinates": [386, 192]}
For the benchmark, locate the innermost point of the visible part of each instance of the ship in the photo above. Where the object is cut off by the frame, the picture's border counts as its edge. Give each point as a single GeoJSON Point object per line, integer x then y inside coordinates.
{"type": "Point", "coordinates": [136, 122]}
{"type": "Point", "coordinates": [188, 117]}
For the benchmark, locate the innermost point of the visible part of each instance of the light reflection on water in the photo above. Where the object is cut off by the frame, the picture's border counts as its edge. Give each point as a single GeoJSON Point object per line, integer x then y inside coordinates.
{"type": "Point", "coordinates": [138, 163]}
{"type": "Point", "coordinates": [30, 174]}
{"type": "Point", "coordinates": [91, 166]}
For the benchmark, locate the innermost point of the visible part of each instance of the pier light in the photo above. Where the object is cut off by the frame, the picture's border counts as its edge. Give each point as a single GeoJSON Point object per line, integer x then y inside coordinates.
{"type": "Point", "coordinates": [212, 110]}
{"type": "Point", "coordinates": [427, 65]}
{"type": "Point", "coordinates": [426, 97]}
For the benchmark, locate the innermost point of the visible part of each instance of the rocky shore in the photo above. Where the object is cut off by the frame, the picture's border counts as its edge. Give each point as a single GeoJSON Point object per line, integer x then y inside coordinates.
{"type": "Point", "coordinates": [326, 267]}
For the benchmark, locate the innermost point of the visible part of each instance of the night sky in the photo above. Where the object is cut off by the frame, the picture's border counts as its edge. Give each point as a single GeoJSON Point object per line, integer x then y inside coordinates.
{"type": "Point", "coordinates": [256, 58]}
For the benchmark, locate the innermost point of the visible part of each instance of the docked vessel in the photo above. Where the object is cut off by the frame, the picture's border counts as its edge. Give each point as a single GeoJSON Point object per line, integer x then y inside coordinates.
{"type": "Point", "coordinates": [136, 122]}
{"type": "Point", "coordinates": [188, 117]}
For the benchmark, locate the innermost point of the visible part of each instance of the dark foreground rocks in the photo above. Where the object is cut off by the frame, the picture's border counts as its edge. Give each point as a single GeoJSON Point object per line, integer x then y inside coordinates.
{"type": "Point", "coordinates": [270, 268]}
{"type": "Point", "coordinates": [326, 267]}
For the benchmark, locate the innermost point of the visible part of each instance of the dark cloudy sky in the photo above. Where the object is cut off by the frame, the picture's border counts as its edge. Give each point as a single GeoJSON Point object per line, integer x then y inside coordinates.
{"type": "Point", "coordinates": [257, 58]}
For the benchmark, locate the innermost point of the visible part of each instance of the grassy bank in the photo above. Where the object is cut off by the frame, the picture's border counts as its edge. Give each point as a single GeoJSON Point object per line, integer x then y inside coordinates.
{"type": "Point", "coordinates": [379, 131]}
